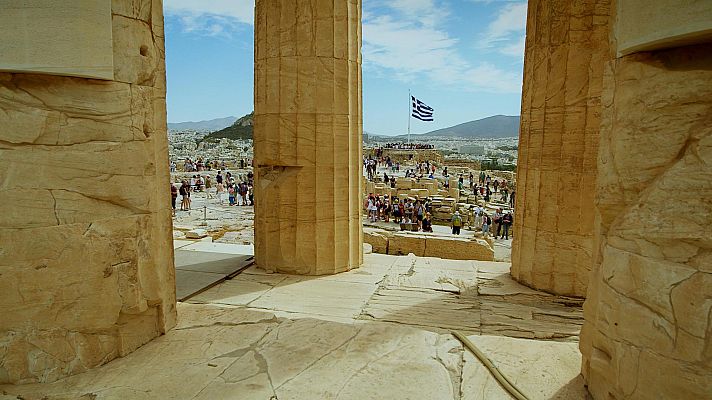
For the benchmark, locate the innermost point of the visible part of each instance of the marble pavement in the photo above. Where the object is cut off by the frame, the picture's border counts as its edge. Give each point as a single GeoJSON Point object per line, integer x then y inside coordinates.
{"type": "Point", "coordinates": [381, 331]}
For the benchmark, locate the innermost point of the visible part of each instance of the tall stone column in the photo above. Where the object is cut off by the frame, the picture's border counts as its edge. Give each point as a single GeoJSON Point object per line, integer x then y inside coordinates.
{"type": "Point", "coordinates": [648, 328]}
{"type": "Point", "coordinates": [566, 47]}
{"type": "Point", "coordinates": [86, 256]}
{"type": "Point", "coordinates": [308, 136]}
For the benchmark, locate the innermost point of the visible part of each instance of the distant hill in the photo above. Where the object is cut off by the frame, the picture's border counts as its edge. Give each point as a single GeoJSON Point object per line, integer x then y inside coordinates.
{"type": "Point", "coordinates": [212, 125]}
{"type": "Point", "coordinates": [498, 126]}
{"type": "Point", "coordinates": [240, 129]}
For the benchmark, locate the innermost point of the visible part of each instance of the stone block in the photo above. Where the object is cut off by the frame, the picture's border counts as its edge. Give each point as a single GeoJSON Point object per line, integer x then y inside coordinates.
{"type": "Point", "coordinates": [377, 238]}
{"type": "Point", "coordinates": [458, 248]}
{"type": "Point", "coordinates": [41, 36]}
{"type": "Point", "coordinates": [196, 234]}
{"type": "Point", "coordinates": [401, 244]}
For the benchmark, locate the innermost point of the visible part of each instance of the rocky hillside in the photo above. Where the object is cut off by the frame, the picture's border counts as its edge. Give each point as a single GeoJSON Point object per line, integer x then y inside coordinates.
{"type": "Point", "coordinates": [241, 129]}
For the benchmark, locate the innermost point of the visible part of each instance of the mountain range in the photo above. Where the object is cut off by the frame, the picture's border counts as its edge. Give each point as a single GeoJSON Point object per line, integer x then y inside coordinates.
{"type": "Point", "coordinates": [495, 127]}
{"type": "Point", "coordinates": [208, 126]}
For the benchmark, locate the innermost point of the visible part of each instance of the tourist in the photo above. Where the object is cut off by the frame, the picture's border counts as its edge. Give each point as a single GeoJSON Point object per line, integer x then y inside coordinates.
{"type": "Point", "coordinates": [497, 220]}
{"type": "Point", "coordinates": [409, 211]}
{"type": "Point", "coordinates": [456, 223]}
{"type": "Point", "coordinates": [242, 193]}
{"type": "Point", "coordinates": [251, 194]}
{"type": "Point", "coordinates": [219, 177]}
{"type": "Point", "coordinates": [174, 196]}
{"type": "Point", "coordinates": [220, 191]}
{"type": "Point", "coordinates": [185, 196]}
{"type": "Point", "coordinates": [511, 199]}
{"type": "Point", "coordinates": [386, 209]}
{"type": "Point", "coordinates": [507, 221]}
{"type": "Point", "coordinates": [372, 209]}
{"type": "Point", "coordinates": [471, 217]}
{"type": "Point", "coordinates": [395, 209]}
{"type": "Point", "coordinates": [419, 213]}
{"type": "Point", "coordinates": [427, 223]}
{"type": "Point", "coordinates": [401, 211]}
{"type": "Point", "coordinates": [486, 223]}
{"type": "Point", "coordinates": [479, 213]}
{"type": "Point", "coordinates": [231, 193]}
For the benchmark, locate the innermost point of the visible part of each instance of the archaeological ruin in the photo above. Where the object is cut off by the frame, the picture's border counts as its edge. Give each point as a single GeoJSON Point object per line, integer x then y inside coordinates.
{"type": "Point", "coordinates": [613, 205]}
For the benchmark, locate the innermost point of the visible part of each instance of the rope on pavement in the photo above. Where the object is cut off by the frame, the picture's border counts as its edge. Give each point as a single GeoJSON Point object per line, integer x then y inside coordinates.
{"type": "Point", "coordinates": [506, 384]}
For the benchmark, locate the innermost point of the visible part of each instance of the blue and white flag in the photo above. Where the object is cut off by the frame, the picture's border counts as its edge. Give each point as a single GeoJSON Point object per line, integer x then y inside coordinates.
{"type": "Point", "coordinates": [421, 110]}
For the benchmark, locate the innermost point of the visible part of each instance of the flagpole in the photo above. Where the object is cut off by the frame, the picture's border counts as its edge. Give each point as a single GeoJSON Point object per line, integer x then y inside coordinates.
{"type": "Point", "coordinates": [410, 107]}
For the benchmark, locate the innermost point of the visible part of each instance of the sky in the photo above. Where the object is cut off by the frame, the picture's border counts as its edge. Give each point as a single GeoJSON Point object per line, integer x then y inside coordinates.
{"type": "Point", "coordinates": [464, 58]}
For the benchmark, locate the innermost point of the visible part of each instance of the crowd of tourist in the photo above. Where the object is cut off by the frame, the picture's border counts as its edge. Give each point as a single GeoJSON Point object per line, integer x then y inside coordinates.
{"type": "Point", "coordinates": [408, 146]}
{"type": "Point", "coordinates": [204, 165]}
{"type": "Point", "coordinates": [239, 189]}
{"type": "Point", "coordinates": [418, 215]}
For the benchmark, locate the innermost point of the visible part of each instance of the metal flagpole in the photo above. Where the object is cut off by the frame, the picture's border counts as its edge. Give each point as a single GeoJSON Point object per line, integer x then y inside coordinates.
{"type": "Point", "coordinates": [410, 111]}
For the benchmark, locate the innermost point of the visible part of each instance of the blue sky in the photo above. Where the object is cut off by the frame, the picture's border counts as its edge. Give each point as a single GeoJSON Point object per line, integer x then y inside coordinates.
{"type": "Point", "coordinates": [462, 57]}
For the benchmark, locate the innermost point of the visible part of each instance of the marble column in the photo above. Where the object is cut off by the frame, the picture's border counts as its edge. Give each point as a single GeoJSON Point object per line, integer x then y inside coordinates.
{"type": "Point", "coordinates": [86, 255]}
{"type": "Point", "coordinates": [566, 47]}
{"type": "Point", "coordinates": [308, 136]}
{"type": "Point", "coordinates": [648, 328]}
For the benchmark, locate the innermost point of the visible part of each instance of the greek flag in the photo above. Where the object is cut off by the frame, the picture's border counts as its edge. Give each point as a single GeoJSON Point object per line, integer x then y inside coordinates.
{"type": "Point", "coordinates": [421, 110]}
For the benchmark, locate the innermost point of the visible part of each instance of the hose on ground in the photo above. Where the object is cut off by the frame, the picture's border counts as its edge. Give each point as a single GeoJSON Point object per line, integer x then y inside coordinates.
{"type": "Point", "coordinates": [506, 384]}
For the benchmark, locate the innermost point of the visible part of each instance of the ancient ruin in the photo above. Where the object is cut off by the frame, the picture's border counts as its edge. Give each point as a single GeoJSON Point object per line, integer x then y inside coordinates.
{"type": "Point", "coordinates": [612, 205]}
{"type": "Point", "coordinates": [561, 111]}
{"type": "Point", "coordinates": [308, 136]}
{"type": "Point", "coordinates": [86, 265]}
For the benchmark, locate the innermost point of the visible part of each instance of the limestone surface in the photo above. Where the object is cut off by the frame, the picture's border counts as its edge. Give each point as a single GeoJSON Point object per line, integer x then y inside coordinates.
{"type": "Point", "coordinates": [567, 44]}
{"type": "Point", "coordinates": [50, 37]}
{"type": "Point", "coordinates": [429, 245]}
{"type": "Point", "coordinates": [308, 135]}
{"type": "Point", "coordinates": [86, 261]}
{"type": "Point", "coordinates": [648, 331]}
{"type": "Point", "coordinates": [268, 335]}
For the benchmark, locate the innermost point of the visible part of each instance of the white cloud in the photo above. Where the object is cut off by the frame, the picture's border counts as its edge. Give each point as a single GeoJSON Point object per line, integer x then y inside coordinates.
{"type": "Point", "coordinates": [507, 32]}
{"type": "Point", "coordinates": [410, 49]}
{"type": "Point", "coordinates": [211, 17]}
{"type": "Point", "coordinates": [427, 12]}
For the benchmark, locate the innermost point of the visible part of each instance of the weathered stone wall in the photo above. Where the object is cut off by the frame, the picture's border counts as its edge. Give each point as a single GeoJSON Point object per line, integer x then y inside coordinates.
{"type": "Point", "coordinates": [428, 245]}
{"type": "Point", "coordinates": [567, 44]}
{"type": "Point", "coordinates": [308, 136]}
{"type": "Point", "coordinates": [648, 330]}
{"type": "Point", "coordinates": [86, 259]}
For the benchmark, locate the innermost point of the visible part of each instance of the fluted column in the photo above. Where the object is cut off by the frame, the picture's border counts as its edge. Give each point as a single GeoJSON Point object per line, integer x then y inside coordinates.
{"type": "Point", "coordinates": [308, 135]}
{"type": "Point", "coordinates": [567, 45]}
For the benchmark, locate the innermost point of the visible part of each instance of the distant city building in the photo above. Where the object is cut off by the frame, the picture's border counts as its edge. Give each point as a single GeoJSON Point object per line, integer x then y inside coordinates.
{"type": "Point", "coordinates": [473, 150]}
